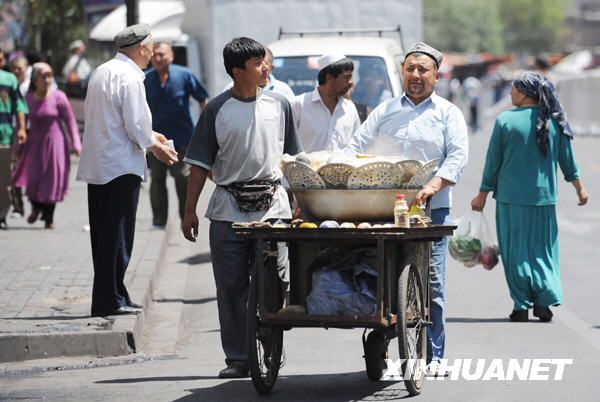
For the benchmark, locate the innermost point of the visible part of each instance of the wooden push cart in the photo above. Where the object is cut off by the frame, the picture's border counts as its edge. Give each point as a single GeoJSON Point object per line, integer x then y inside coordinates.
{"type": "Point", "coordinates": [402, 263]}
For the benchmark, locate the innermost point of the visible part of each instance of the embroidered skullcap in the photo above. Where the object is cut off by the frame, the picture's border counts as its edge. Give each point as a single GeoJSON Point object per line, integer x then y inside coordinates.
{"type": "Point", "coordinates": [424, 48]}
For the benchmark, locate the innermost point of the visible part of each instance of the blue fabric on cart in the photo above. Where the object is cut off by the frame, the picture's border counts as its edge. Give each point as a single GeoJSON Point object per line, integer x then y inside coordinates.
{"type": "Point", "coordinates": [346, 288]}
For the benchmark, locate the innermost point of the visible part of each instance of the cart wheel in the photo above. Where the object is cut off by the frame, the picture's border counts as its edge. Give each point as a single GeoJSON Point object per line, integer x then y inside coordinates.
{"type": "Point", "coordinates": [265, 345]}
{"type": "Point", "coordinates": [412, 335]}
{"type": "Point", "coordinates": [375, 355]}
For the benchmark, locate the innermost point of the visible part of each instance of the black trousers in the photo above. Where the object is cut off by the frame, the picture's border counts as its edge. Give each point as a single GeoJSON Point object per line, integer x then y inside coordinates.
{"type": "Point", "coordinates": [112, 209]}
{"type": "Point", "coordinates": [158, 186]}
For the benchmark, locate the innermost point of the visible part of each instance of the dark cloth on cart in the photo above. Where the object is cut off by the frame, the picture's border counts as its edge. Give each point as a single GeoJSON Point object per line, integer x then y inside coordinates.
{"type": "Point", "coordinates": [344, 287]}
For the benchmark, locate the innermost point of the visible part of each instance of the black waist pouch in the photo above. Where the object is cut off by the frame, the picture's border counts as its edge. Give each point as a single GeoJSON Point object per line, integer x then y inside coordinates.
{"type": "Point", "coordinates": [253, 196]}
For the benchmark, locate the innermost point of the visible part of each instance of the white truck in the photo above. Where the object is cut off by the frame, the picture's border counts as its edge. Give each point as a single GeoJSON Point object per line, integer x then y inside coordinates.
{"type": "Point", "coordinates": [198, 29]}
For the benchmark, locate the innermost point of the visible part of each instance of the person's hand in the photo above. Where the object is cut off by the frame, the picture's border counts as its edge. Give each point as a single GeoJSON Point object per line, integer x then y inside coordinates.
{"type": "Point", "coordinates": [159, 137]}
{"type": "Point", "coordinates": [165, 154]}
{"type": "Point", "coordinates": [424, 194]}
{"type": "Point", "coordinates": [297, 213]}
{"type": "Point", "coordinates": [478, 203]}
{"type": "Point", "coordinates": [583, 196]}
{"type": "Point", "coordinates": [21, 136]}
{"type": "Point", "coordinates": [190, 226]}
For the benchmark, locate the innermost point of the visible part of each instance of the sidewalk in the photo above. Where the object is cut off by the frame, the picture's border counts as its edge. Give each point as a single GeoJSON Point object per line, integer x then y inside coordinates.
{"type": "Point", "coordinates": [46, 281]}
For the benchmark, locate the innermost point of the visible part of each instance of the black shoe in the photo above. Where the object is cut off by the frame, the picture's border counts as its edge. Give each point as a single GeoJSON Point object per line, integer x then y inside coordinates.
{"type": "Point", "coordinates": [135, 305]}
{"type": "Point", "coordinates": [234, 371]}
{"type": "Point", "coordinates": [118, 311]}
{"type": "Point", "coordinates": [3, 224]}
{"type": "Point", "coordinates": [35, 214]}
{"type": "Point", "coordinates": [543, 313]}
{"type": "Point", "coordinates": [519, 316]}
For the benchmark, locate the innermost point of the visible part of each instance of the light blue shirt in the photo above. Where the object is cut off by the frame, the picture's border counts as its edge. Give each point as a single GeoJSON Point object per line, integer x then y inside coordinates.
{"type": "Point", "coordinates": [433, 129]}
{"type": "Point", "coordinates": [281, 87]}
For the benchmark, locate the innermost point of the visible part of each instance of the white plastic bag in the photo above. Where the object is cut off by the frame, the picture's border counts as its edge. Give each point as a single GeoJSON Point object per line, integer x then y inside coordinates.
{"type": "Point", "coordinates": [473, 243]}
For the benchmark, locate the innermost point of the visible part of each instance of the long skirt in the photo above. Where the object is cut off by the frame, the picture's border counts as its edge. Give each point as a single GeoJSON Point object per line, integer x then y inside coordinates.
{"type": "Point", "coordinates": [528, 240]}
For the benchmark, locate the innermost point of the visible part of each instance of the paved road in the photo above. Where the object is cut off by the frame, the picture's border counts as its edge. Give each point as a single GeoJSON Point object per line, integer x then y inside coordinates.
{"type": "Point", "coordinates": [181, 355]}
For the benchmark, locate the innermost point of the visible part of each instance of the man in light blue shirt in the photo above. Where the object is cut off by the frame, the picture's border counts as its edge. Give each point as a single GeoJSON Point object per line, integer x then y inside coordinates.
{"type": "Point", "coordinates": [424, 126]}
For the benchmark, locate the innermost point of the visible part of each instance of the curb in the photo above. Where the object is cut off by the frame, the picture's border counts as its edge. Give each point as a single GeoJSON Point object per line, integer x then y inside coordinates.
{"type": "Point", "coordinates": [125, 334]}
{"type": "Point", "coordinates": [133, 325]}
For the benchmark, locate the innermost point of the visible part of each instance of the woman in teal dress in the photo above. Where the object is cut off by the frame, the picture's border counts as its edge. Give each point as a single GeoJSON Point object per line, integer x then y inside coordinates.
{"type": "Point", "coordinates": [527, 146]}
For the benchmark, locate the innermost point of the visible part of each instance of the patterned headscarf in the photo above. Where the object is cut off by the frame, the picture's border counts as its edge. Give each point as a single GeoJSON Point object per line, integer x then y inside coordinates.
{"type": "Point", "coordinates": [536, 87]}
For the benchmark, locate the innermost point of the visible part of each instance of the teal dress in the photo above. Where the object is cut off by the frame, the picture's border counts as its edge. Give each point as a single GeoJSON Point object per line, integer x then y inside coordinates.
{"type": "Point", "coordinates": [524, 183]}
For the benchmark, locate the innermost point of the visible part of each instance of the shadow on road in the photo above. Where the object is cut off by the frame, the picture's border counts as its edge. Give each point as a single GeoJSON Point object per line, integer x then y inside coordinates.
{"type": "Point", "coordinates": [467, 320]}
{"type": "Point", "coordinates": [197, 259]}
{"type": "Point", "coordinates": [155, 379]}
{"type": "Point", "coordinates": [187, 301]}
{"type": "Point", "coordinates": [315, 387]}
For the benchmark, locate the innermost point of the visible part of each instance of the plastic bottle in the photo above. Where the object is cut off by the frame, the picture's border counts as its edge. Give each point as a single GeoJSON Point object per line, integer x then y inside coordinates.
{"type": "Point", "coordinates": [401, 215]}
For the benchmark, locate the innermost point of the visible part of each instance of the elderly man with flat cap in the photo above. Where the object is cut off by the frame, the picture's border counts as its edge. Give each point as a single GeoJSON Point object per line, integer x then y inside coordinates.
{"type": "Point", "coordinates": [324, 118]}
{"type": "Point", "coordinates": [118, 131]}
{"type": "Point", "coordinates": [424, 126]}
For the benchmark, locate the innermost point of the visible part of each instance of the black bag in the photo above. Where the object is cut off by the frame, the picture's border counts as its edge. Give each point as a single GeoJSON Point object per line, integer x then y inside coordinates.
{"type": "Point", "coordinates": [253, 196]}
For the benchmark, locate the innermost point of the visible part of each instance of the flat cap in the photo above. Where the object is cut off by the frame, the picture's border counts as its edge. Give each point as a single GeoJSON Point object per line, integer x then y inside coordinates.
{"type": "Point", "coordinates": [131, 35]}
{"type": "Point", "coordinates": [424, 48]}
{"type": "Point", "coordinates": [329, 59]}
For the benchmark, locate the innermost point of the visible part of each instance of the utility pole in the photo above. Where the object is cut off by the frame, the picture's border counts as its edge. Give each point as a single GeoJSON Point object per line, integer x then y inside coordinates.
{"type": "Point", "coordinates": [132, 12]}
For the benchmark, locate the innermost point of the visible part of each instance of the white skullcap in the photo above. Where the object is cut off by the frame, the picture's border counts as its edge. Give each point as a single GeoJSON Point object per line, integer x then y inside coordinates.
{"type": "Point", "coordinates": [329, 59]}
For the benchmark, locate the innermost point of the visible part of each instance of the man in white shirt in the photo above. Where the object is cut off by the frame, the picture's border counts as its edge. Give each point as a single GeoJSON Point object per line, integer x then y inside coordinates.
{"type": "Point", "coordinates": [118, 130]}
{"type": "Point", "coordinates": [325, 119]}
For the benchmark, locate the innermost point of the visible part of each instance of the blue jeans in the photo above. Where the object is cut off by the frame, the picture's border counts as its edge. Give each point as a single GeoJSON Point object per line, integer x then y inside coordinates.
{"type": "Point", "coordinates": [436, 333]}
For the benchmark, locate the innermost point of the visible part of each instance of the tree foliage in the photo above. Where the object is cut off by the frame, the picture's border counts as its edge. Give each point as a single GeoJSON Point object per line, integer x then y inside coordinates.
{"type": "Point", "coordinates": [494, 26]}
{"type": "Point", "coordinates": [52, 25]}
{"type": "Point", "coordinates": [532, 24]}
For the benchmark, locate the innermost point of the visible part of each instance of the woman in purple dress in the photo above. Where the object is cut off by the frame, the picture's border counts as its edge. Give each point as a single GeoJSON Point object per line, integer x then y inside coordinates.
{"type": "Point", "coordinates": [47, 164]}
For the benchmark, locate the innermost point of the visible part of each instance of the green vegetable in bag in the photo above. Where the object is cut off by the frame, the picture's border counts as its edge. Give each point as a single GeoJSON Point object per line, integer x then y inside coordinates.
{"type": "Point", "coordinates": [464, 248]}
